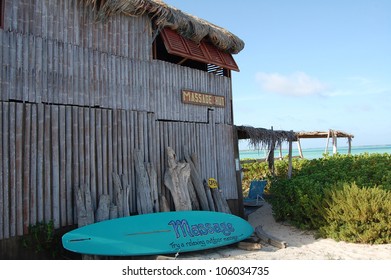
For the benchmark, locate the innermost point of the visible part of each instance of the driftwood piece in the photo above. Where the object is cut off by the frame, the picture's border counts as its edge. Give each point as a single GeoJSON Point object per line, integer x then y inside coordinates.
{"type": "Point", "coordinates": [267, 238]}
{"type": "Point", "coordinates": [85, 212]}
{"type": "Point", "coordinates": [195, 205]}
{"type": "Point", "coordinates": [152, 175]}
{"type": "Point", "coordinates": [221, 203]}
{"type": "Point", "coordinates": [209, 197]}
{"type": "Point", "coordinates": [176, 180]}
{"type": "Point", "coordinates": [113, 211]}
{"type": "Point", "coordinates": [163, 203]}
{"type": "Point", "coordinates": [143, 189]}
{"type": "Point", "coordinates": [249, 246]}
{"type": "Point", "coordinates": [103, 211]}
{"type": "Point", "coordinates": [126, 190]}
{"type": "Point", "coordinates": [126, 196]}
{"type": "Point", "coordinates": [118, 194]}
{"type": "Point", "coordinates": [197, 182]}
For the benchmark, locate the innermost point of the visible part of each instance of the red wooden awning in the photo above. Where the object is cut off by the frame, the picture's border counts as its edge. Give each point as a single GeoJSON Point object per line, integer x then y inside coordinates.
{"type": "Point", "coordinates": [204, 52]}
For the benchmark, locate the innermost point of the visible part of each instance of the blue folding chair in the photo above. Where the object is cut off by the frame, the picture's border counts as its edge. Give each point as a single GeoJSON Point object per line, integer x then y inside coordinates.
{"type": "Point", "coordinates": [255, 194]}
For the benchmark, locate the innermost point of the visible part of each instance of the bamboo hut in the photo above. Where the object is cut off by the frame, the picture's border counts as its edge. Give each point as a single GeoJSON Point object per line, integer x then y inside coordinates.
{"type": "Point", "coordinates": [92, 93]}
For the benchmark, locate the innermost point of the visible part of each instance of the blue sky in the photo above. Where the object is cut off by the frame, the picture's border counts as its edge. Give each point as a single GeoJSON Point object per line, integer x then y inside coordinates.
{"type": "Point", "coordinates": [309, 65]}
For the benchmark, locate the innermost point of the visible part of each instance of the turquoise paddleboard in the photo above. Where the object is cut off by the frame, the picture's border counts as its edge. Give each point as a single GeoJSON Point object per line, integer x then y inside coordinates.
{"type": "Point", "coordinates": [158, 233]}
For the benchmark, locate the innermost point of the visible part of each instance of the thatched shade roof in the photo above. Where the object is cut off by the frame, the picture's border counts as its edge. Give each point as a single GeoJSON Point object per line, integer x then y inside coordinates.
{"type": "Point", "coordinates": [262, 137]}
{"type": "Point", "coordinates": [163, 15]}
{"type": "Point", "coordinates": [322, 134]}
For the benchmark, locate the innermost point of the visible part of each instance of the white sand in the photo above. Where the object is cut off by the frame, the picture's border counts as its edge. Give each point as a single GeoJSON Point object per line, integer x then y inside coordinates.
{"type": "Point", "coordinates": [301, 245]}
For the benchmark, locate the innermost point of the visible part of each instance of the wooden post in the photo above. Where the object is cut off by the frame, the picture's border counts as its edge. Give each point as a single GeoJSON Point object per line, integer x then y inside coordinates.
{"type": "Point", "coordinates": [334, 142]}
{"type": "Point", "coordinates": [280, 151]}
{"type": "Point", "coordinates": [350, 145]}
{"type": "Point", "coordinates": [327, 142]}
{"type": "Point", "coordinates": [270, 157]}
{"type": "Point", "coordinates": [299, 148]}
{"type": "Point", "coordinates": [290, 160]}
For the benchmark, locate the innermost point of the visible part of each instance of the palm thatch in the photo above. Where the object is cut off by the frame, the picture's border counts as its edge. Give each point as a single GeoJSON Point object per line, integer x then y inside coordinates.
{"type": "Point", "coordinates": [324, 134]}
{"type": "Point", "coordinates": [163, 15]}
{"type": "Point", "coordinates": [265, 138]}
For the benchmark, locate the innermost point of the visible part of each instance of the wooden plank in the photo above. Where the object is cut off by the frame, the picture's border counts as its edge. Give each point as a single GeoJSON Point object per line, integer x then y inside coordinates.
{"type": "Point", "coordinates": [63, 164]}
{"type": "Point", "coordinates": [68, 164]}
{"type": "Point", "coordinates": [105, 173]}
{"type": "Point", "coordinates": [109, 161]}
{"type": "Point", "coordinates": [82, 147]}
{"type": "Point", "coordinates": [99, 160]}
{"type": "Point", "coordinates": [33, 165]}
{"type": "Point", "coordinates": [47, 166]}
{"type": "Point", "coordinates": [75, 149]}
{"type": "Point", "coordinates": [119, 143]}
{"type": "Point", "coordinates": [40, 162]}
{"type": "Point", "coordinates": [115, 142]}
{"type": "Point", "coordinates": [269, 239]}
{"type": "Point", "coordinates": [25, 71]}
{"type": "Point", "coordinates": [13, 67]}
{"type": "Point", "coordinates": [12, 166]}
{"type": "Point", "coordinates": [125, 153]}
{"type": "Point", "coordinates": [26, 167]}
{"type": "Point", "coordinates": [6, 173]}
{"type": "Point", "coordinates": [132, 131]}
{"type": "Point", "coordinates": [55, 166]}
{"type": "Point", "coordinates": [92, 158]}
{"type": "Point", "coordinates": [2, 169]}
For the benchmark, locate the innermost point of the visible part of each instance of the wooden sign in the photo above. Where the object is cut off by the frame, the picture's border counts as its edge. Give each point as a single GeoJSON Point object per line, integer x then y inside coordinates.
{"type": "Point", "coordinates": [203, 99]}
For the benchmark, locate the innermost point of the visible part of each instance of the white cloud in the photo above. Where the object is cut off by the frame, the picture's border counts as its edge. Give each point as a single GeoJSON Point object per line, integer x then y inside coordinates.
{"type": "Point", "coordinates": [296, 84]}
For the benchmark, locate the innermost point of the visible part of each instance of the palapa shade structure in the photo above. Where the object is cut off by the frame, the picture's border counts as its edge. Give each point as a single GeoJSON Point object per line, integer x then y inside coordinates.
{"type": "Point", "coordinates": [333, 134]}
{"type": "Point", "coordinates": [270, 139]}
{"type": "Point", "coordinates": [265, 138]}
{"type": "Point", "coordinates": [163, 15]}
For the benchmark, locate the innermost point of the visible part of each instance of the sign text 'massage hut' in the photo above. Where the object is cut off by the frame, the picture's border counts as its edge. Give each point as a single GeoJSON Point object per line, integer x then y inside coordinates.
{"type": "Point", "coordinates": [203, 99]}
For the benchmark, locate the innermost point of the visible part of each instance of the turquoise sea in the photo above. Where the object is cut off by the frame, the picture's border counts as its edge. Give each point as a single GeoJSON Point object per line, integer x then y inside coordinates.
{"type": "Point", "coordinates": [312, 153]}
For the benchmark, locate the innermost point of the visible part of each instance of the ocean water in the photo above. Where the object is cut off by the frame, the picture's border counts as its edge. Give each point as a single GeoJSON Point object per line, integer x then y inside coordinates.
{"type": "Point", "coordinates": [312, 153]}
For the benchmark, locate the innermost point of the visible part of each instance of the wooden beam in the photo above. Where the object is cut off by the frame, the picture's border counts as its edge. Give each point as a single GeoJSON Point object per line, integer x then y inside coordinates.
{"type": "Point", "coordinates": [267, 238]}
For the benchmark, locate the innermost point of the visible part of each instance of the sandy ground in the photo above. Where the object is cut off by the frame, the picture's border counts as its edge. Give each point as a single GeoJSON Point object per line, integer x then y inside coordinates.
{"type": "Point", "coordinates": [301, 245]}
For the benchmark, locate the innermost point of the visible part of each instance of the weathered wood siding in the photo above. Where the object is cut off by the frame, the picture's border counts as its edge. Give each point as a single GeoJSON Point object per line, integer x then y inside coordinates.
{"type": "Point", "coordinates": [167, 82]}
{"type": "Point", "coordinates": [77, 97]}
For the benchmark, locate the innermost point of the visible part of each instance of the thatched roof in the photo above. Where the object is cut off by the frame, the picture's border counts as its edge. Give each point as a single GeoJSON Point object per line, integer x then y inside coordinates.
{"type": "Point", "coordinates": [324, 134]}
{"type": "Point", "coordinates": [262, 137]}
{"type": "Point", "coordinates": [163, 15]}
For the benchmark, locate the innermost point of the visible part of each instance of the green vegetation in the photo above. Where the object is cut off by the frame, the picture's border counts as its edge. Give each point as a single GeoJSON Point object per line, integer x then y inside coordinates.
{"type": "Point", "coordinates": [43, 240]}
{"type": "Point", "coordinates": [343, 197]}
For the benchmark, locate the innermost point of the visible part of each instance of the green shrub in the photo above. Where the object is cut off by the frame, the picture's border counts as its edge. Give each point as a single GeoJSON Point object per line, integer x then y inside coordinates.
{"type": "Point", "coordinates": [359, 215]}
{"type": "Point", "coordinates": [303, 199]}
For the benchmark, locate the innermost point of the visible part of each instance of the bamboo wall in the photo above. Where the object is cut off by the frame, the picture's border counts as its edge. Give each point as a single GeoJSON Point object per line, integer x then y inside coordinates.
{"type": "Point", "coordinates": [78, 97]}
